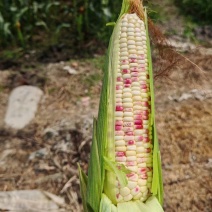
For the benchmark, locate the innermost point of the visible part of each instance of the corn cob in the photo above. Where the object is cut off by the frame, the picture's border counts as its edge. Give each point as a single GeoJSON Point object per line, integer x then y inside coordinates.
{"type": "Point", "coordinates": [132, 135]}
{"type": "Point", "coordinates": [124, 169]}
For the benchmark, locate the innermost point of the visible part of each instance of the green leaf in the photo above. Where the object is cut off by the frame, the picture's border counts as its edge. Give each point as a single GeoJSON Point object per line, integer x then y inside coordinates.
{"type": "Point", "coordinates": [93, 195]}
{"type": "Point", "coordinates": [119, 170]}
{"type": "Point", "coordinates": [157, 181]}
{"type": "Point", "coordinates": [83, 187]}
{"type": "Point", "coordinates": [151, 205]}
{"type": "Point", "coordinates": [105, 205]}
{"type": "Point", "coordinates": [110, 23]}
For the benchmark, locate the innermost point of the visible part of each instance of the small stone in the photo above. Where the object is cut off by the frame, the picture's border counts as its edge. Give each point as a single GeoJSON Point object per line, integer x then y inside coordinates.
{"type": "Point", "coordinates": [23, 104]}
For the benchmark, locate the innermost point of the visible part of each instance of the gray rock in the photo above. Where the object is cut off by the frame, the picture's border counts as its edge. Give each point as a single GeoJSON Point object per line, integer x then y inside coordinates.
{"type": "Point", "coordinates": [22, 106]}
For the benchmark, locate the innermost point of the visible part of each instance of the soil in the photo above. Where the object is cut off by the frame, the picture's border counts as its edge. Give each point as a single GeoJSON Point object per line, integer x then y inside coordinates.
{"type": "Point", "coordinates": [45, 154]}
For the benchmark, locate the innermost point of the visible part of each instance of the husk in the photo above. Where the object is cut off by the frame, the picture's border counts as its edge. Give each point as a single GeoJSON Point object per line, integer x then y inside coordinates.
{"type": "Point", "coordinates": [98, 193]}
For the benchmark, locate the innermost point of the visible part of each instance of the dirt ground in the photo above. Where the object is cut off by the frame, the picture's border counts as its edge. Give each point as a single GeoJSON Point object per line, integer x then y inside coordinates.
{"type": "Point", "coordinates": [45, 154]}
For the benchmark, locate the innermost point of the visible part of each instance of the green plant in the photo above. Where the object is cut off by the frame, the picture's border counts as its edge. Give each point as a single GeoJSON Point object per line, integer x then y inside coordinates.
{"type": "Point", "coordinates": [199, 10]}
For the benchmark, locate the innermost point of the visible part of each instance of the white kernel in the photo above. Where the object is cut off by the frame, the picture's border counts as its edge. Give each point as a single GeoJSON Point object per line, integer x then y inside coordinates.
{"type": "Point", "coordinates": [140, 149]}
{"type": "Point", "coordinates": [138, 132]}
{"type": "Point", "coordinates": [133, 64]}
{"type": "Point", "coordinates": [118, 91]}
{"type": "Point", "coordinates": [125, 49]}
{"type": "Point", "coordinates": [123, 45]}
{"type": "Point", "coordinates": [125, 66]}
{"type": "Point", "coordinates": [131, 158]}
{"type": "Point", "coordinates": [123, 35]}
{"type": "Point", "coordinates": [127, 100]}
{"type": "Point", "coordinates": [119, 138]}
{"type": "Point", "coordinates": [118, 100]}
{"type": "Point", "coordinates": [117, 133]}
{"type": "Point", "coordinates": [120, 148]}
{"type": "Point", "coordinates": [137, 98]}
{"type": "Point", "coordinates": [143, 77]}
{"type": "Point", "coordinates": [124, 191]}
{"type": "Point", "coordinates": [141, 52]}
{"type": "Point", "coordinates": [118, 95]}
{"type": "Point", "coordinates": [136, 93]}
{"type": "Point", "coordinates": [121, 159]}
{"type": "Point", "coordinates": [132, 51]}
{"type": "Point", "coordinates": [135, 84]}
{"type": "Point", "coordinates": [131, 147]}
{"type": "Point", "coordinates": [138, 196]}
{"type": "Point", "coordinates": [131, 33]}
{"type": "Point", "coordinates": [141, 61]}
{"type": "Point", "coordinates": [130, 25]}
{"type": "Point", "coordinates": [130, 37]}
{"type": "Point", "coordinates": [125, 90]}
{"type": "Point", "coordinates": [135, 88]}
{"type": "Point", "coordinates": [123, 53]}
{"type": "Point", "coordinates": [145, 94]}
{"type": "Point", "coordinates": [128, 119]}
{"type": "Point", "coordinates": [124, 58]}
{"type": "Point", "coordinates": [128, 114]}
{"type": "Point", "coordinates": [119, 118]}
{"type": "Point", "coordinates": [142, 165]}
{"type": "Point", "coordinates": [130, 153]}
{"type": "Point", "coordinates": [142, 182]}
{"type": "Point", "coordinates": [138, 144]}
{"type": "Point", "coordinates": [126, 76]}
{"type": "Point", "coordinates": [142, 74]}
{"type": "Point", "coordinates": [131, 42]}
{"type": "Point", "coordinates": [131, 47]}
{"type": "Point", "coordinates": [124, 29]}
{"type": "Point", "coordinates": [138, 39]}
{"type": "Point", "coordinates": [137, 107]}
{"type": "Point", "coordinates": [145, 193]}
{"type": "Point", "coordinates": [127, 95]}
{"type": "Point", "coordinates": [124, 24]}
{"type": "Point", "coordinates": [138, 43]}
{"type": "Point", "coordinates": [131, 184]}
{"type": "Point", "coordinates": [138, 34]}
{"type": "Point", "coordinates": [123, 40]}
{"type": "Point", "coordinates": [129, 138]}
{"type": "Point", "coordinates": [119, 74]}
{"type": "Point", "coordinates": [120, 143]}
{"type": "Point", "coordinates": [128, 197]}
{"type": "Point", "coordinates": [143, 189]}
{"type": "Point", "coordinates": [130, 29]}
{"type": "Point", "coordinates": [119, 83]}
{"type": "Point", "coordinates": [128, 105]}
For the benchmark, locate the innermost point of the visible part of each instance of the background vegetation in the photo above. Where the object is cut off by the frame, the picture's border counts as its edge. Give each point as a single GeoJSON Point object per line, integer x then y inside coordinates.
{"type": "Point", "coordinates": [198, 10]}
{"type": "Point", "coordinates": [76, 24]}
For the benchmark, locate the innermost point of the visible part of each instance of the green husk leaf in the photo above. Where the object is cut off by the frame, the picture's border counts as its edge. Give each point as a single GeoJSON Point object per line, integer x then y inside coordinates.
{"type": "Point", "coordinates": [106, 205]}
{"type": "Point", "coordinates": [83, 187]}
{"type": "Point", "coordinates": [110, 23]}
{"type": "Point", "coordinates": [119, 172]}
{"type": "Point", "coordinates": [151, 205]}
{"type": "Point", "coordinates": [157, 181]}
{"type": "Point", "coordinates": [93, 195]}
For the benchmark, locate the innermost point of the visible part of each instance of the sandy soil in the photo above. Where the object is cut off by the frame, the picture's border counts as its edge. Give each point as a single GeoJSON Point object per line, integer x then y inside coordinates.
{"type": "Point", "coordinates": [45, 154]}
